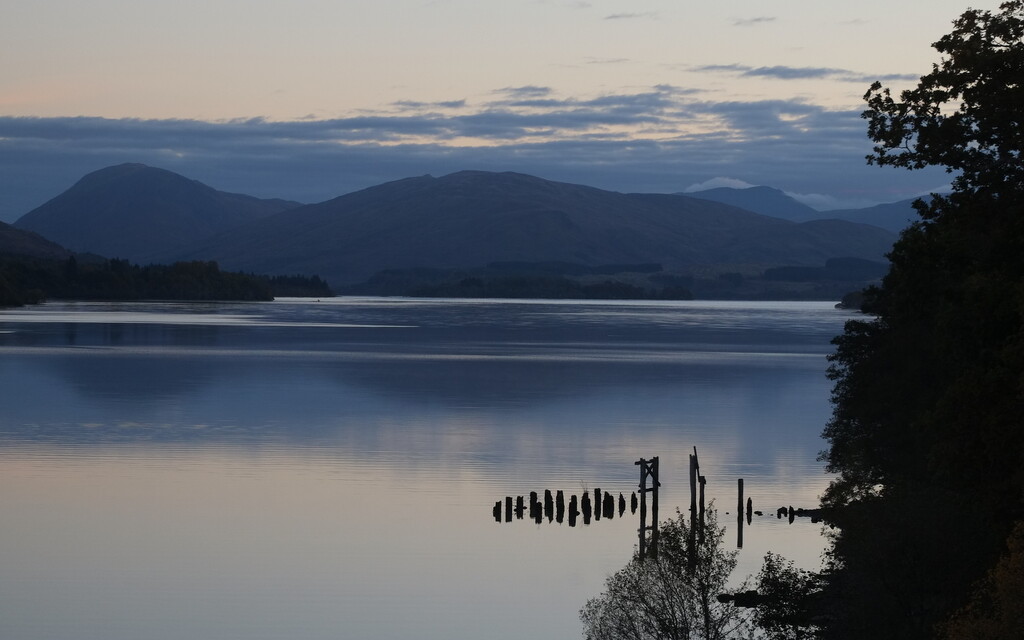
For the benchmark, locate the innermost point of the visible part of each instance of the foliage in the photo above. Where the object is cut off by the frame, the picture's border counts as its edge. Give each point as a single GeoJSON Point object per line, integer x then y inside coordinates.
{"type": "Point", "coordinates": [663, 599]}
{"type": "Point", "coordinates": [786, 596]}
{"type": "Point", "coordinates": [929, 394]}
{"type": "Point", "coordinates": [965, 114]}
{"type": "Point", "coordinates": [997, 610]}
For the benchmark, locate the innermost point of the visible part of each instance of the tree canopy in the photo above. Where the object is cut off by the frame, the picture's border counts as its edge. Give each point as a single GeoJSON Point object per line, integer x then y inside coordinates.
{"type": "Point", "coordinates": [667, 598]}
{"type": "Point", "coordinates": [926, 434]}
{"type": "Point", "coordinates": [966, 114]}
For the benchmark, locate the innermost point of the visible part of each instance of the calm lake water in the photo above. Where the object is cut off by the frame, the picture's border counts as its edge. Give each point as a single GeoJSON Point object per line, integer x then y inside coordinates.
{"type": "Point", "coordinates": [327, 469]}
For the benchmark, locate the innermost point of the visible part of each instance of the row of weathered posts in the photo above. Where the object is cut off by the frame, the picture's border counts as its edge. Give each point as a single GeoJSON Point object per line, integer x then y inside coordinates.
{"type": "Point", "coordinates": [554, 508]}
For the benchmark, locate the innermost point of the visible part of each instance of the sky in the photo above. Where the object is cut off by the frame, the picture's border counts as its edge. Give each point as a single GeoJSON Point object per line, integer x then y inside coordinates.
{"type": "Point", "coordinates": [311, 99]}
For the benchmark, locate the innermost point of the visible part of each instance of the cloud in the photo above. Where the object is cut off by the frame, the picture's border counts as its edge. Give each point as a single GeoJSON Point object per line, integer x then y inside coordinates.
{"type": "Point", "coordinates": [528, 91]}
{"type": "Point", "coordinates": [824, 202]}
{"type": "Point", "coordinates": [780, 72]}
{"type": "Point", "coordinates": [606, 60]}
{"type": "Point", "coordinates": [715, 183]}
{"type": "Point", "coordinates": [747, 22]}
{"type": "Point", "coordinates": [631, 16]}
{"type": "Point", "coordinates": [415, 104]}
{"type": "Point", "coordinates": [655, 140]}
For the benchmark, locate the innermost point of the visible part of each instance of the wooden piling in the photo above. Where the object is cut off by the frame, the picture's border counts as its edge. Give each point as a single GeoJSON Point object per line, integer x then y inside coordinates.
{"type": "Point", "coordinates": [739, 514]}
{"type": "Point", "coordinates": [691, 542]}
{"type": "Point", "coordinates": [700, 516]}
{"type": "Point", "coordinates": [693, 488]}
{"type": "Point", "coordinates": [648, 471]}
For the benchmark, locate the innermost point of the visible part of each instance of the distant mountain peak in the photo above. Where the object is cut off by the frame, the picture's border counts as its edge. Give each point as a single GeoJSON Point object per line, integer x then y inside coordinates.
{"type": "Point", "coordinates": [139, 212]}
{"type": "Point", "coordinates": [767, 201]}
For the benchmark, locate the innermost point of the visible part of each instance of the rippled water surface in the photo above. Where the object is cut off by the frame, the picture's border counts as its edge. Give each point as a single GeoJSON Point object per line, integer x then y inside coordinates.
{"type": "Point", "coordinates": [327, 469]}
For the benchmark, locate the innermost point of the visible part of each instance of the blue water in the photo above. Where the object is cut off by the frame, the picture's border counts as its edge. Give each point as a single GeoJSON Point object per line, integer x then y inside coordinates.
{"type": "Point", "coordinates": [325, 469]}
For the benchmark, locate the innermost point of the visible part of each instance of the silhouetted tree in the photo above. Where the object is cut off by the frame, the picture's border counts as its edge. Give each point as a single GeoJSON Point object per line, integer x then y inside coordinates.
{"type": "Point", "coordinates": [664, 599]}
{"type": "Point", "coordinates": [926, 435]}
{"type": "Point", "coordinates": [787, 606]}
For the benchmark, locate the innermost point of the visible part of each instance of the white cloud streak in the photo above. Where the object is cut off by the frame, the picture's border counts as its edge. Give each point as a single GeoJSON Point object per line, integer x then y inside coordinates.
{"type": "Point", "coordinates": [748, 22]}
{"type": "Point", "coordinates": [781, 72]}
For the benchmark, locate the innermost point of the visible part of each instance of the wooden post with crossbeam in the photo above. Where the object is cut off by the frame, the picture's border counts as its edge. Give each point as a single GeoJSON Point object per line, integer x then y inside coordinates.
{"type": "Point", "coordinates": [648, 471]}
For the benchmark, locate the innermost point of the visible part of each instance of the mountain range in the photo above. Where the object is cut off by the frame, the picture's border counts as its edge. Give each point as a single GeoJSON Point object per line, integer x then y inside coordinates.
{"type": "Point", "coordinates": [462, 220]}
{"type": "Point", "coordinates": [894, 216]}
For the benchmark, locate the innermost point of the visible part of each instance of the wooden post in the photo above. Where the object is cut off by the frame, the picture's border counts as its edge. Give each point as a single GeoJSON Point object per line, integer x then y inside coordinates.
{"type": "Point", "coordinates": [549, 505]}
{"type": "Point", "coordinates": [703, 481]}
{"type": "Point", "coordinates": [597, 504]}
{"type": "Point", "coordinates": [691, 542]}
{"type": "Point", "coordinates": [643, 508]}
{"type": "Point", "coordinates": [609, 505]}
{"type": "Point", "coordinates": [559, 506]}
{"type": "Point", "coordinates": [655, 483]}
{"type": "Point", "coordinates": [508, 508]}
{"type": "Point", "coordinates": [693, 488]}
{"type": "Point", "coordinates": [739, 515]}
{"type": "Point", "coordinates": [648, 469]}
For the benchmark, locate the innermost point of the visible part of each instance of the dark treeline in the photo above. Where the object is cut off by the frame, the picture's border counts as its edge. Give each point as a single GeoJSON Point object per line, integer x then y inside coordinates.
{"type": "Point", "coordinates": [555, 280]}
{"type": "Point", "coordinates": [643, 281]}
{"type": "Point", "coordinates": [297, 286]}
{"type": "Point", "coordinates": [926, 435]}
{"type": "Point", "coordinates": [30, 280]}
{"type": "Point", "coordinates": [546, 287]}
{"type": "Point", "coordinates": [835, 269]}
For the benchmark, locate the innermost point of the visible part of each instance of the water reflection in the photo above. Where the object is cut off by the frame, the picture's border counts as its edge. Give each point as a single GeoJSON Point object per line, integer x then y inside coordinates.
{"type": "Point", "coordinates": [267, 468]}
